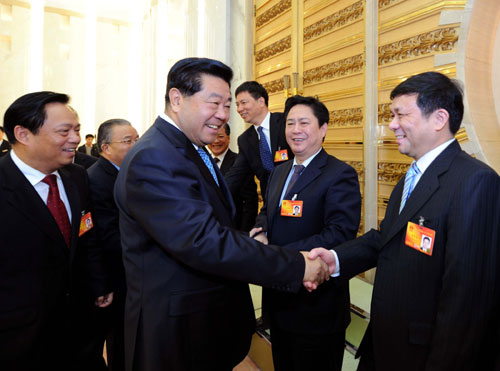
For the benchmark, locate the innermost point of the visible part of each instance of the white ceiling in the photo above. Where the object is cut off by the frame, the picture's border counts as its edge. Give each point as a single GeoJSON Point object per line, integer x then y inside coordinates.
{"type": "Point", "coordinates": [115, 9]}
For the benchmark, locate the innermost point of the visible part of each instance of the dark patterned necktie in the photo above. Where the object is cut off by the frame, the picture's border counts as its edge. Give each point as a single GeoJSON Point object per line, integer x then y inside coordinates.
{"type": "Point", "coordinates": [57, 208]}
{"type": "Point", "coordinates": [297, 170]}
{"type": "Point", "coordinates": [265, 153]}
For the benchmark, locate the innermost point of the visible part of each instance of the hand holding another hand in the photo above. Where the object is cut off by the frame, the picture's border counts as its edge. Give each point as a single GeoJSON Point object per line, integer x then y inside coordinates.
{"type": "Point", "coordinates": [316, 272]}
{"type": "Point", "coordinates": [326, 259]}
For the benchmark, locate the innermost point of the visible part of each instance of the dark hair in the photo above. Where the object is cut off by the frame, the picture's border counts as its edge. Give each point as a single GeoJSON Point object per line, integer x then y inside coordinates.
{"type": "Point", "coordinates": [89, 136]}
{"type": "Point", "coordinates": [435, 91]}
{"type": "Point", "coordinates": [426, 238]}
{"type": "Point", "coordinates": [255, 89]}
{"type": "Point", "coordinates": [29, 111]}
{"type": "Point", "coordinates": [185, 75]}
{"type": "Point", "coordinates": [104, 133]}
{"type": "Point", "coordinates": [319, 109]}
{"type": "Point", "coordinates": [228, 129]}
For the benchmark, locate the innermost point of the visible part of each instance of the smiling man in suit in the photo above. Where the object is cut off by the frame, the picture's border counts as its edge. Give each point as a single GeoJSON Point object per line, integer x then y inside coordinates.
{"type": "Point", "coordinates": [263, 145]}
{"type": "Point", "coordinates": [46, 265]}
{"type": "Point", "coordinates": [188, 303]}
{"type": "Point", "coordinates": [435, 309]}
{"type": "Point", "coordinates": [246, 201]}
{"type": "Point", "coordinates": [312, 200]}
{"type": "Point", "coordinates": [115, 137]}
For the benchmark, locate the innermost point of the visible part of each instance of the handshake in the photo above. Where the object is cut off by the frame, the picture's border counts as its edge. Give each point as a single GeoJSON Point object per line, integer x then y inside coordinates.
{"type": "Point", "coordinates": [320, 264]}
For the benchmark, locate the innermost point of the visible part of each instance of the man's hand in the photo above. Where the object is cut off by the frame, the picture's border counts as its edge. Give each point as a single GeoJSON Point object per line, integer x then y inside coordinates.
{"type": "Point", "coordinates": [104, 301]}
{"type": "Point", "coordinates": [259, 235]}
{"type": "Point", "coordinates": [325, 255]}
{"type": "Point", "coordinates": [316, 272]}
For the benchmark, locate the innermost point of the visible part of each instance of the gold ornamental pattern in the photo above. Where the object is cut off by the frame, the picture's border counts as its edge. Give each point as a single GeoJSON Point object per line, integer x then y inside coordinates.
{"type": "Point", "coordinates": [274, 86]}
{"type": "Point", "coordinates": [345, 118]}
{"type": "Point", "coordinates": [273, 49]}
{"type": "Point", "coordinates": [383, 3]}
{"type": "Point", "coordinates": [358, 166]}
{"type": "Point", "coordinates": [440, 40]}
{"type": "Point", "coordinates": [335, 20]}
{"type": "Point", "coordinates": [273, 12]}
{"type": "Point", "coordinates": [335, 69]}
{"type": "Point", "coordinates": [384, 113]}
{"type": "Point", "coordinates": [391, 172]}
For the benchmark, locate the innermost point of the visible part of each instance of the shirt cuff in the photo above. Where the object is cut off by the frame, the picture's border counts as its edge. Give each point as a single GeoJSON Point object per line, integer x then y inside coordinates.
{"type": "Point", "coordinates": [336, 273]}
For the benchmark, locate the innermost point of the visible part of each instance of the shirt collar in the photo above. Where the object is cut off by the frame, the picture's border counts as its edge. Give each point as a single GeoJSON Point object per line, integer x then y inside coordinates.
{"type": "Point", "coordinates": [308, 161]}
{"type": "Point", "coordinates": [167, 118]}
{"type": "Point", "coordinates": [424, 162]}
{"type": "Point", "coordinates": [33, 175]}
{"type": "Point", "coordinates": [265, 124]}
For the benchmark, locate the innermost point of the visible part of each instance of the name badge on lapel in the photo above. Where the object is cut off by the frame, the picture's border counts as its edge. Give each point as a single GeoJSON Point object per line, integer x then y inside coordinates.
{"type": "Point", "coordinates": [281, 155]}
{"type": "Point", "coordinates": [86, 223]}
{"type": "Point", "coordinates": [292, 207]}
{"type": "Point", "coordinates": [420, 238]}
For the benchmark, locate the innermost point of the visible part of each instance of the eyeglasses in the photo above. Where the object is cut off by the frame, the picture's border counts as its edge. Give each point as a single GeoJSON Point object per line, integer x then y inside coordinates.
{"type": "Point", "coordinates": [126, 141]}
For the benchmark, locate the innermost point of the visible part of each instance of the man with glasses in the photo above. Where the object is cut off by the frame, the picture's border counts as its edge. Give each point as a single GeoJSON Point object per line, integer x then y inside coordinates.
{"type": "Point", "coordinates": [115, 137]}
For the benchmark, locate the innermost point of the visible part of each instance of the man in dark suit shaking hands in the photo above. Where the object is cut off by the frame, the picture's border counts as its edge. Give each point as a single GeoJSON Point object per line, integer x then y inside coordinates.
{"type": "Point", "coordinates": [263, 145]}
{"type": "Point", "coordinates": [312, 200]}
{"type": "Point", "coordinates": [435, 309]}
{"type": "Point", "coordinates": [188, 306]}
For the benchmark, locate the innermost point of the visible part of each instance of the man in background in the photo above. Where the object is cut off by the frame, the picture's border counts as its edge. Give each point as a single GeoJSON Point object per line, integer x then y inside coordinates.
{"type": "Point", "coordinates": [246, 200]}
{"type": "Point", "coordinates": [115, 137]}
{"type": "Point", "coordinates": [263, 145]}
{"type": "Point", "coordinates": [88, 147]}
{"type": "Point", "coordinates": [435, 310]}
{"type": "Point", "coordinates": [50, 276]}
{"type": "Point", "coordinates": [4, 145]}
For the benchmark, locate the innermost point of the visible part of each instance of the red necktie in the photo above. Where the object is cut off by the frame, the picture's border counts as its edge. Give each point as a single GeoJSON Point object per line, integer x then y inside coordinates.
{"type": "Point", "coordinates": [57, 208]}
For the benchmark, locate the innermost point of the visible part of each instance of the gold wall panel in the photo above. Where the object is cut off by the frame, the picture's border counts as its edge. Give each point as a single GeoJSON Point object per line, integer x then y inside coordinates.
{"type": "Point", "coordinates": [273, 49]}
{"type": "Point", "coordinates": [272, 13]}
{"type": "Point", "coordinates": [340, 68]}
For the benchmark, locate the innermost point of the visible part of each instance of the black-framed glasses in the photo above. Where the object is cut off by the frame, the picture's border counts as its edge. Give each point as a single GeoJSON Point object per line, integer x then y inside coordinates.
{"type": "Point", "coordinates": [125, 141]}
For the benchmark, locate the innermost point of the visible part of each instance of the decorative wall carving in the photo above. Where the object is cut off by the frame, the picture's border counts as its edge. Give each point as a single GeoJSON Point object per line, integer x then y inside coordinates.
{"type": "Point", "coordinates": [273, 49]}
{"type": "Point", "coordinates": [443, 39]}
{"type": "Point", "coordinates": [352, 117]}
{"type": "Point", "coordinates": [391, 172]}
{"type": "Point", "coordinates": [383, 3]}
{"type": "Point", "coordinates": [335, 20]}
{"type": "Point", "coordinates": [384, 113]}
{"type": "Point", "coordinates": [339, 68]}
{"type": "Point", "coordinates": [359, 167]}
{"type": "Point", "coordinates": [274, 86]}
{"type": "Point", "coordinates": [273, 12]}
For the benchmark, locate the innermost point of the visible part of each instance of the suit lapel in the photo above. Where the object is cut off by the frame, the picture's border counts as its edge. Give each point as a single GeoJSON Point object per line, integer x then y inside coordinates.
{"type": "Point", "coordinates": [253, 140]}
{"type": "Point", "coordinates": [281, 174]}
{"type": "Point", "coordinates": [311, 172]}
{"type": "Point", "coordinates": [23, 197]}
{"type": "Point", "coordinates": [274, 129]}
{"type": "Point", "coordinates": [426, 187]}
{"type": "Point", "coordinates": [180, 141]}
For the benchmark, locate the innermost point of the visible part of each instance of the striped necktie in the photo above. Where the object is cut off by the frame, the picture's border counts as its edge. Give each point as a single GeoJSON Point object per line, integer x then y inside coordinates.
{"type": "Point", "coordinates": [410, 177]}
{"type": "Point", "coordinates": [208, 163]}
{"type": "Point", "coordinates": [265, 153]}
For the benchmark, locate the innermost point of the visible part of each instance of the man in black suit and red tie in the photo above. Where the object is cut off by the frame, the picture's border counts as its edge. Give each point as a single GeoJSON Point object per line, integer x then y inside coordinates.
{"type": "Point", "coordinates": [435, 309]}
{"type": "Point", "coordinates": [311, 200]}
{"type": "Point", "coordinates": [246, 201]}
{"type": "Point", "coordinates": [50, 276]}
{"type": "Point", "coordinates": [263, 145]}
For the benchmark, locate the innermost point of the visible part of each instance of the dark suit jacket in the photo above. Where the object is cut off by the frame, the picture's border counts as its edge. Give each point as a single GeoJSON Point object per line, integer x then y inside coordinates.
{"type": "Point", "coordinates": [436, 312]}
{"type": "Point", "coordinates": [4, 148]}
{"type": "Point", "coordinates": [43, 283]}
{"type": "Point", "coordinates": [84, 160]}
{"type": "Point", "coordinates": [94, 151]}
{"type": "Point", "coordinates": [249, 162]}
{"type": "Point", "coordinates": [246, 200]}
{"type": "Point", "coordinates": [102, 176]}
{"type": "Point", "coordinates": [329, 190]}
{"type": "Point", "coordinates": [188, 306]}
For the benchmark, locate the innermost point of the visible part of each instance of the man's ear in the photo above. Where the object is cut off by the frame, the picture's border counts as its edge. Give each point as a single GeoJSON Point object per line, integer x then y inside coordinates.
{"type": "Point", "coordinates": [175, 97]}
{"type": "Point", "coordinates": [441, 119]}
{"type": "Point", "coordinates": [22, 134]}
